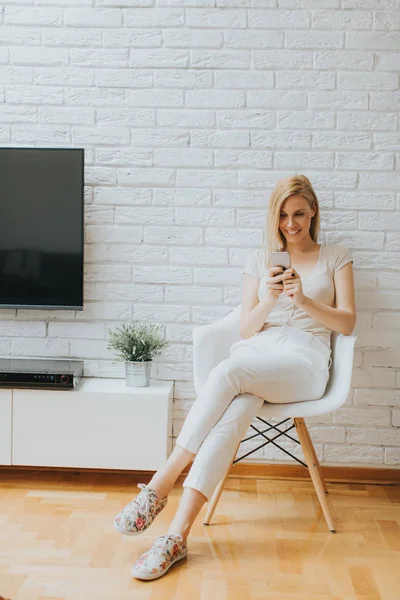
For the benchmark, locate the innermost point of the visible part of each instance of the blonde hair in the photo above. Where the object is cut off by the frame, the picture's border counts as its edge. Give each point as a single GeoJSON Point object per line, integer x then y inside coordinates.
{"type": "Point", "coordinates": [296, 184]}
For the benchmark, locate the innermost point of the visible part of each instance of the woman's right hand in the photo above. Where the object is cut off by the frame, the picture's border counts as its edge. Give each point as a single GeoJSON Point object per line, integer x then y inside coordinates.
{"type": "Point", "coordinates": [274, 282]}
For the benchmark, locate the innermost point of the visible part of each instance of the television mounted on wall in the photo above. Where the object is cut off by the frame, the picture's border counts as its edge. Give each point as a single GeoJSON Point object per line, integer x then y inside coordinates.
{"type": "Point", "coordinates": [41, 228]}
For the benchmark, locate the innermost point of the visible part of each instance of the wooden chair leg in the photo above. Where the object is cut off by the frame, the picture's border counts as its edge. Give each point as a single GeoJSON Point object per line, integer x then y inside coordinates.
{"type": "Point", "coordinates": [315, 470]}
{"type": "Point", "coordinates": [217, 494]}
{"type": "Point", "coordinates": [315, 457]}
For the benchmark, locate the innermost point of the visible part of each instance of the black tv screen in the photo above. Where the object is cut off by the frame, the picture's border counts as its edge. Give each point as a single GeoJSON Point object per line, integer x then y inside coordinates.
{"type": "Point", "coordinates": [41, 228]}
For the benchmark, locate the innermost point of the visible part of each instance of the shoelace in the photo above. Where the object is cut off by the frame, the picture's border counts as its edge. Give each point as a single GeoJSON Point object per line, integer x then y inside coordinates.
{"type": "Point", "coordinates": [144, 501]}
{"type": "Point", "coordinates": [170, 539]}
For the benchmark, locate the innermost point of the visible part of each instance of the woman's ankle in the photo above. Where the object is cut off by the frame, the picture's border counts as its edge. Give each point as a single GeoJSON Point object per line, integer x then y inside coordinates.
{"type": "Point", "coordinates": [163, 480]}
{"type": "Point", "coordinates": [160, 489]}
{"type": "Point", "coordinates": [182, 530]}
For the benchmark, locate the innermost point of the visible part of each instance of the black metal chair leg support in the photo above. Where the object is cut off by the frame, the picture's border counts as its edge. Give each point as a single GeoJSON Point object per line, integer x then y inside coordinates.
{"type": "Point", "coordinates": [271, 441]}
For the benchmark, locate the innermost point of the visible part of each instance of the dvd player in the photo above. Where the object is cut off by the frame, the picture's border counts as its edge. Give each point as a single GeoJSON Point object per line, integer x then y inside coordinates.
{"type": "Point", "coordinates": [40, 373]}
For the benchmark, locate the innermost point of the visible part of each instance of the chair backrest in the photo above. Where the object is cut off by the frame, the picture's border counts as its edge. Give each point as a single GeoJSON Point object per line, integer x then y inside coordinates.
{"type": "Point", "coordinates": [211, 344]}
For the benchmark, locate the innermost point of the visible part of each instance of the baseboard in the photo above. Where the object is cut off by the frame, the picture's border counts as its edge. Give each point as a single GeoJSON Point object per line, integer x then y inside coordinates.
{"type": "Point", "coordinates": [343, 474]}
{"type": "Point", "coordinates": [337, 473]}
{"type": "Point", "coordinates": [331, 473]}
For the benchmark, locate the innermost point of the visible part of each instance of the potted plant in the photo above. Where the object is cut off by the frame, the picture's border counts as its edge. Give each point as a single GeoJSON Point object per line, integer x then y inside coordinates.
{"type": "Point", "coordinates": [137, 343]}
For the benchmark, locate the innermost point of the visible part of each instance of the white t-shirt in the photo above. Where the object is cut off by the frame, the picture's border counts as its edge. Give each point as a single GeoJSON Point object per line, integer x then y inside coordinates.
{"type": "Point", "coordinates": [318, 285]}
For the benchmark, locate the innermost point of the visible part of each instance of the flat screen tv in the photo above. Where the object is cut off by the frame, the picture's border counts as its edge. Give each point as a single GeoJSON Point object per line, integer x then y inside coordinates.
{"type": "Point", "coordinates": [41, 228]}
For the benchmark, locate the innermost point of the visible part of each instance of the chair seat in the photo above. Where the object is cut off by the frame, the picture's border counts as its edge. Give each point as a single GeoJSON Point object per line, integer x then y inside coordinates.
{"type": "Point", "coordinates": [308, 408]}
{"type": "Point", "coordinates": [212, 344]}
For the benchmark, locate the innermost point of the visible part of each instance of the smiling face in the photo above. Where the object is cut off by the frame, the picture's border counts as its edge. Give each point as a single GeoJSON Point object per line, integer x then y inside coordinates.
{"type": "Point", "coordinates": [295, 219]}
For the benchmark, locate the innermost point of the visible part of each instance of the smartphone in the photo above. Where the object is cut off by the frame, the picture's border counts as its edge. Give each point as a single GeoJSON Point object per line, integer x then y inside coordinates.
{"type": "Point", "coordinates": [280, 259]}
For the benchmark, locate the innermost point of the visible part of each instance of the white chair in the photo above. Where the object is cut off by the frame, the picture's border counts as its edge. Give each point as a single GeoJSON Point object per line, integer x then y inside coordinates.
{"type": "Point", "coordinates": [211, 344]}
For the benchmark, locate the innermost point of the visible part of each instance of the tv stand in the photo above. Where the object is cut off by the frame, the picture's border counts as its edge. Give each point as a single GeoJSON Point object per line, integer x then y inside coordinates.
{"type": "Point", "coordinates": [103, 424]}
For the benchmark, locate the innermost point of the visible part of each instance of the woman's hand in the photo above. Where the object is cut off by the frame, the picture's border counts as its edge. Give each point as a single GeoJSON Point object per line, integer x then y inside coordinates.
{"type": "Point", "coordinates": [293, 287]}
{"type": "Point", "coordinates": [274, 284]}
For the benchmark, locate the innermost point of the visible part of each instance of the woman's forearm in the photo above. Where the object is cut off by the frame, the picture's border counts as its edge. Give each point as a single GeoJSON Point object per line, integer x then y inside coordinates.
{"type": "Point", "coordinates": [254, 321]}
{"type": "Point", "coordinates": [336, 319]}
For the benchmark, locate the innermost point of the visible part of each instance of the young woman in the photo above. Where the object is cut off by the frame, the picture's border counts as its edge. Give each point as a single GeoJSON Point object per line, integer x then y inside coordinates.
{"type": "Point", "coordinates": [286, 322]}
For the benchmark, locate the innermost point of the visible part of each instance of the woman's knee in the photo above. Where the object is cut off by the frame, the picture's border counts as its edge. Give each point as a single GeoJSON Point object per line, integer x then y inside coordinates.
{"type": "Point", "coordinates": [232, 372]}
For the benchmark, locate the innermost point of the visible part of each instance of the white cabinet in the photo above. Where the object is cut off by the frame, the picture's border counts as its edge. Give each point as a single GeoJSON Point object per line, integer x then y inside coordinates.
{"type": "Point", "coordinates": [103, 424]}
{"type": "Point", "coordinates": [5, 426]}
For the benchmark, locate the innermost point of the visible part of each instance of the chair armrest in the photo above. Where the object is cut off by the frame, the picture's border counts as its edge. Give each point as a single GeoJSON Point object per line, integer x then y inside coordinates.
{"type": "Point", "coordinates": [211, 344]}
{"type": "Point", "coordinates": [339, 384]}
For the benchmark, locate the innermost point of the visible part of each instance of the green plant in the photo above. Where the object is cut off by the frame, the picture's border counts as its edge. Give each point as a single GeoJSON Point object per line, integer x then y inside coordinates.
{"type": "Point", "coordinates": [136, 341]}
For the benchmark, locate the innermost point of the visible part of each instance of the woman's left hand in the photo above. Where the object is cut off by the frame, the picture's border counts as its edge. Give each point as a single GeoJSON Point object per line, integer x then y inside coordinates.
{"type": "Point", "coordinates": [293, 288]}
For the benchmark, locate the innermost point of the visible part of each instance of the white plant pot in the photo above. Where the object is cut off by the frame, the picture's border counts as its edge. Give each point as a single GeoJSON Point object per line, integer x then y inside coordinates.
{"type": "Point", "coordinates": [138, 373]}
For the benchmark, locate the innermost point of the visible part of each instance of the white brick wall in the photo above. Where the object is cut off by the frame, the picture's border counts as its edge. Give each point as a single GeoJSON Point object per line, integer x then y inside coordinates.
{"type": "Point", "coordinates": [189, 112]}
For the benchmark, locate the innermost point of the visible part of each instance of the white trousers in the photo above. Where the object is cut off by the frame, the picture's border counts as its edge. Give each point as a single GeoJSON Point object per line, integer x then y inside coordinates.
{"type": "Point", "coordinates": [279, 365]}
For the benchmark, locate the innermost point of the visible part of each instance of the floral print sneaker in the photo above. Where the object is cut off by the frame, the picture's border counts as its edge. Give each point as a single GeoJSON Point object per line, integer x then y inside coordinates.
{"type": "Point", "coordinates": [166, 550]}
{"type": "Point", "coordinates": [138, 515]}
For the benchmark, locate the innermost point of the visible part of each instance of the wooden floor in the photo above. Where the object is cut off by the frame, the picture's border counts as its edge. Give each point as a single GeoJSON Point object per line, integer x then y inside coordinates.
{"type": "Point", "coordinates": [268, 541]}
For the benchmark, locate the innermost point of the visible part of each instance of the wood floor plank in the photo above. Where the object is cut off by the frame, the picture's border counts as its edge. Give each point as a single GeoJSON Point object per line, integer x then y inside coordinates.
{"type": "Point", "coordinates": [364, 584]}
{"type": "Point", "coordinates": [391, 533]}
{"type": "Point", "coordinates": [267, 540]}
